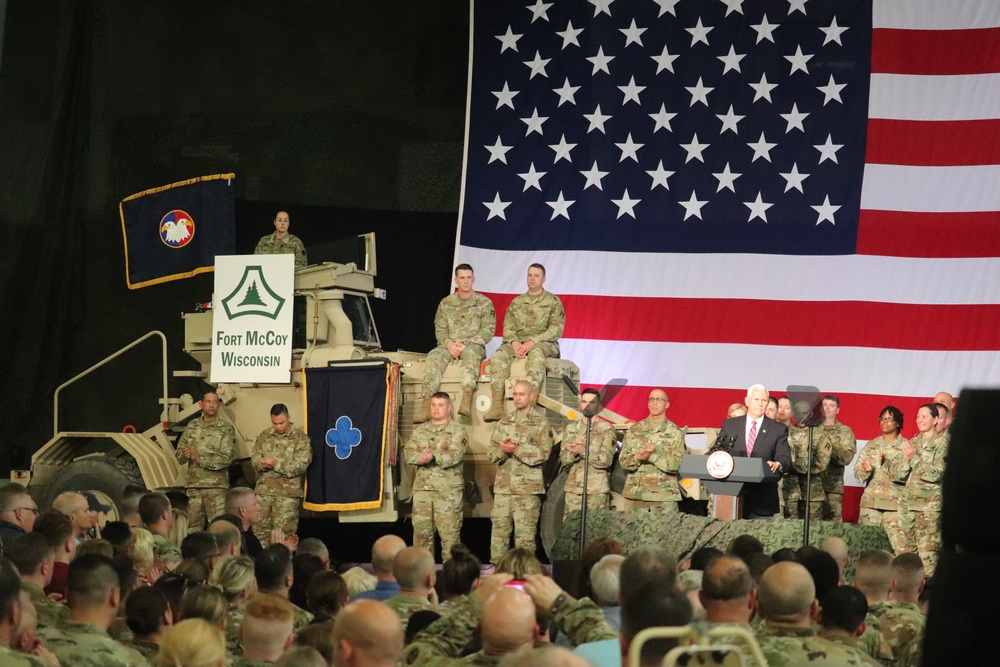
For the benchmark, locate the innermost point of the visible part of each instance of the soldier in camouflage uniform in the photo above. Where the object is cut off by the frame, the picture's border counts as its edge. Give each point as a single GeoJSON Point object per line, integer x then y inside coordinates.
{"type": "Point", "coordinates": [436, 448]}
{"type": "Point", "coordinates": [839, 439]}
{"type": "Point", "coordinates": [651, 453]}
{"type": "Point", "coordinates": [155, 512]}
{"type": "Point", "coordinates": [798, 443]}
{"type": "Point", "coordinates": [787, 638]}
{"type": "Point", "coordinates": [281, 242]}
{"type": "Point", "coordinates": [208, 446]}
{"type": "Point", "coordinates": [442, 642]}
{"type": "Point", "coordinates": [880, 501]}
{"type": "Point", "coordinates": [16, 619]}
{"type": "Point", "coordinates": [521, 443]}
{"type": "Point", "coordinates": [83, 640]}
{"type": "Point", "coordinates": [532, 328]}
{"type": "Point", "coordinates": [34, 557]}
{"type": "Point", "coordinates": [900, 617]}
{"type": "Point", "coordinates": [413, 568]}
{"type": "Point", "coordinates": [464, 323]}
{"type": "Point", "coordinates": [603, 446]}
{"type": "Point", "coordinates": [923, 458]}
{"type": "Point", "coordinates": [281, 455]}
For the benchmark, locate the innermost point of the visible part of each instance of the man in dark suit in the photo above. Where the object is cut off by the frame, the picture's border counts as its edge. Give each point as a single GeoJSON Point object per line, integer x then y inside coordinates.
{"type": "Point", "coordinates": [763, 438]}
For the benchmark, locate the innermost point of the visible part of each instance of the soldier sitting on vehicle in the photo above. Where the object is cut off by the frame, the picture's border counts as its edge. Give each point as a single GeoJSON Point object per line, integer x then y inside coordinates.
{"type": "Point", "coordinates": [464, 323]}
{"type": "Point", "coordinates": [280, 242]}
{"type": "Point", "coordinates": [532, 327]}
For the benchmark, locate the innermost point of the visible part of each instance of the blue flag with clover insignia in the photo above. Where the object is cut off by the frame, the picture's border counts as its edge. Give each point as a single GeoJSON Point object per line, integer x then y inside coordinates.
{"type": "Point", "coordinates": [348, 422]}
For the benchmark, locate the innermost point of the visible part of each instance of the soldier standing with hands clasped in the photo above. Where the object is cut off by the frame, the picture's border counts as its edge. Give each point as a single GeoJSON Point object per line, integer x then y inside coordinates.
{"type": "Point", "coordinates": [520, 444]}
{"type": "Point", "coordinates": [281, 456]}
{"type": "Point", "coordinates": [651, 453]}
{"type": "Point", "coordinates": [436, 448]}
{"type": "Point", "coordinates": [208, 446]}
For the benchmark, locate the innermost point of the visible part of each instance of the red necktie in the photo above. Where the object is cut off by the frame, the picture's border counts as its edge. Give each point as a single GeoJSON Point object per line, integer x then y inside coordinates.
{"type": "Point", "coordinates": [752, 436]}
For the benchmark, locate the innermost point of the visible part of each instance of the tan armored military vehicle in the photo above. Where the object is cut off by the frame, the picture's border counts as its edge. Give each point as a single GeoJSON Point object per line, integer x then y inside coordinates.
{"type": "Point", "coordinates": [339, 328]}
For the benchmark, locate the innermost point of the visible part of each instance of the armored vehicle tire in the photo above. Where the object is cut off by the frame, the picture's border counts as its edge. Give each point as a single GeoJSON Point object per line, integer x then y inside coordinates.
{"type": "Point", "coordinates": [106, 477]}
{"type": "Point", "coordinates": [551, 518]}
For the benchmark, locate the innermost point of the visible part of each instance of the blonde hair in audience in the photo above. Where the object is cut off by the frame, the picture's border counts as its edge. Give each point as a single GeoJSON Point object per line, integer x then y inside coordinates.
{"type": "Point", "coordinates": [358, 581]}
{"type": "Point", "coordinates": [192, 643]}
{"type": "Point", "coordinates": [736, 407]}
{"type": "Point", "coordinates": [206, 602]}
{"type": "Point", "coordinates": [233, 575]}
{"type": "Point", "coordinates": [179, 530]}
{"type": "Point", "coordinates": [519, 562]}
{"type": "Point", "coordinates": [142, 550]}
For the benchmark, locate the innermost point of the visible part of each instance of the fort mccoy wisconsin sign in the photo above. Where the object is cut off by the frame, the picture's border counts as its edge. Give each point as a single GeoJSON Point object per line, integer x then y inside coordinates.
{"type": "Point", "coordinates": [252, 318]}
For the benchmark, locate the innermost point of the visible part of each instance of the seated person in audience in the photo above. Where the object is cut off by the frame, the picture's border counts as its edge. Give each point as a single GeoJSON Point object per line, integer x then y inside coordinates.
{"type": "Point", "coordinates": [266, 630]}
{"type": "Point", "coordinates": [367, 633]}
{"type": "Point", "coordinates": [787, 603]}
{"type": "Point", "coordinates": [415, 573]}
{"type": "Point", "coordinates": [192, 642]}
{"type": "Point", "coordinates": [384, 552]}
{"type": "Point", "coordinates": [326, 595]}
{"type": "Point", "coordinates": [459, 576]}
{"type": "Point", "coordinates": [593, 552]}
{"type": "Point", "coordinates": [234, 576]}
{"type": "Point", "coordinates": [207, 602]}
{"type": "Point", "coordinates": [519, 563]}
{"type": "Point", "coordinates": [273, 569]}
{"type": "Point", "coordinates": [900, 617]}
{"type": "Point", "coordinates": [148, 617]}
{"type": "Point", "coordinates": [842, 618]}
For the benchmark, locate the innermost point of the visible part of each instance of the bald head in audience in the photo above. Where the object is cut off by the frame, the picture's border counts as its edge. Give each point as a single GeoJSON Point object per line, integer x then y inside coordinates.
{"type": "Point", "coordinates": [227, 537]}
{"type": "Point", "coordinates": [508, 622]}
{"type": "Point", "coordinates": [787, 595]}
{"type": "Point", "coordinates": [414, 571]}
{"type": "Point", "coordinates": [383, 554]}
{"type": "Point", "coordinates": [547, 656]}
{"type": "Point", "coordinates": [837, 548]}
{"type": "Point", "coordinates": [367, 634]}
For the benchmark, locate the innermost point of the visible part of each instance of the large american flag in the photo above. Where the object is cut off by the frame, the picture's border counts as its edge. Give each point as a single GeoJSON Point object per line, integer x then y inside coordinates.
{"type": "Point", "coordinates": [727, 192]}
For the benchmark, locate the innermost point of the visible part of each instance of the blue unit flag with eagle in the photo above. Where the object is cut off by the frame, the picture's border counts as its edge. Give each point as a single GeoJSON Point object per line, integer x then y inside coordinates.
{"type": "Point", "coordinates": [176, 231]}
{"type": "Point", "coordinates": [349, 421]}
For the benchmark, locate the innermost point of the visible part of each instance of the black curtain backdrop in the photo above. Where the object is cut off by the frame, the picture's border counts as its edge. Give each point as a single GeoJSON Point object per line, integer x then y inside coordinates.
{"type": "Point", "coordinates": [349, 115]}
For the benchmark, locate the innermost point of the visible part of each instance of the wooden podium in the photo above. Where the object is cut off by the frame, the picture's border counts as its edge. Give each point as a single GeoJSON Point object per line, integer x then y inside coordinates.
{"type": "Point", "coordinates": [728, 490]}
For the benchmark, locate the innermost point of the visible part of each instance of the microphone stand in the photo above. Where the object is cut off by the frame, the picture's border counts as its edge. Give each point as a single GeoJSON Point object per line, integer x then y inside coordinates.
{"type": "Point", "coordinates": [809, 455]}
{"type": "Point", "coordinates": [583, 497]}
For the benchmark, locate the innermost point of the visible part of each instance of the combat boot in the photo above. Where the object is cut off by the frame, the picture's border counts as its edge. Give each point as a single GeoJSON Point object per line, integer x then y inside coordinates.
{"type": "Point", "coordinates": [465, 407]}
{"type": "Point", "coordinates": [496, 412]}
{"type": "Point", "coordinates": [423, 412]}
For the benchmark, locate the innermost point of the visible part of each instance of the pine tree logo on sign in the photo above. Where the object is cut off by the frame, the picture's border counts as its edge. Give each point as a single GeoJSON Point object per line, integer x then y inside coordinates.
{"type": "Point", "coordinates": [253, 296]}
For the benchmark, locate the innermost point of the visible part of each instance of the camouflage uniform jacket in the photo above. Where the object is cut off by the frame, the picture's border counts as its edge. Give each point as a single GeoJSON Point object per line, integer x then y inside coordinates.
{"type": "Point", "coordinates": [903, 627]}
{"type": "Point", "coordinates": [442, 642]}
{"type": "Point", "coordinates": [216, 444]}
{"type": "Point", "coordinates": [12, 658]}
{"type": "Point", "coordinates": [843, 637]}
{"type": "Point", "coordinates": [87, 645]}
{"type": "Point", "coordinates": [603, 446]}
{"type": "Point", "coordinates": [839, 439]}
{"type": "Point", "coordinates": [163, 548]}
{"type": "Point", "coordinates": [448, 443]}
{"type": "Point", "coordinates": [49, 611]}
{"type": "Point", "coordinates": [471, 321]}
{"type": "Point", "coordinates": [656, 478]}
{"type": "Point", "coordinates": [926, 468]}
{"type": "Point", "coordinates": [144, 647]}
{"type": "Point", "coordinates": [884, 489]}
{"type": "Point", "coordinates": [234, 618]}
{"type": "Point", "coordinates": [293, 454]}
{"type": "Point", "coordinates": [798, 443]}
{"type": "Point", "coordinates": [290, 245]}
{"type": "Point", "coordinates": [873, 642]}
{"type": "Point", "coordinates": [405, 605]}
{"type": "Point", "coordinates": [795, 647]}
{"type": "Point", "coordinates": [302, 617]}
{"type": "Point", "coordinates": [520, 472]}
{"type": "Point", "coordinates": [539, 318]}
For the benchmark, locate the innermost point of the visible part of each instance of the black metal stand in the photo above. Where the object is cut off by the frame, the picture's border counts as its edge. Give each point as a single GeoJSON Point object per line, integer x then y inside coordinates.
{"type": "Point", "coordinates": [809, 456]}
{"type": "Point", "coordinates": [583, 496]}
